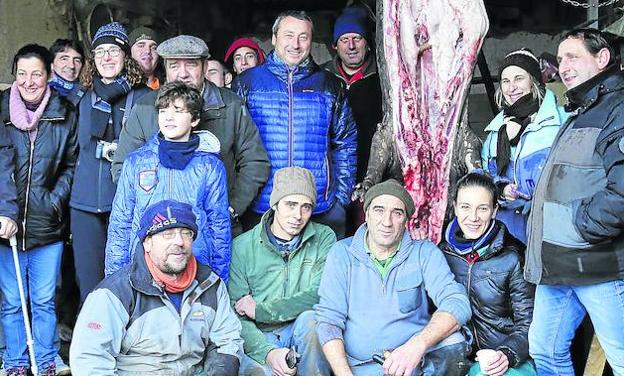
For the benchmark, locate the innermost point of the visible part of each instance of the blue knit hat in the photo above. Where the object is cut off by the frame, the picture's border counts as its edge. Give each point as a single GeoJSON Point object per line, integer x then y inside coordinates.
{"type": "Point", "coordinates": [164, 215]}
{"type": "Point", "coordinates": [352, 20]}
{"type": "Point", "coordinates": [113, 33]}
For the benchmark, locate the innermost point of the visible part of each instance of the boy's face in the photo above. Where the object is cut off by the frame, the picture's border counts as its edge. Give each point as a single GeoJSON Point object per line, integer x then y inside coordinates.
{"type": "Point", "coordinates": [175, 122]}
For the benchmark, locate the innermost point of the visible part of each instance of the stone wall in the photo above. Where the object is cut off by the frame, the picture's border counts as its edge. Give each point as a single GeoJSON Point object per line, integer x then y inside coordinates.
{"type": "Point", "coordinates": [29, 21]}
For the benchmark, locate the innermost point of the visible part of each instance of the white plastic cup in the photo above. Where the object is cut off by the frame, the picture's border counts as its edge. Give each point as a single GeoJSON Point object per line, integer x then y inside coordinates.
{"type": "Point", "coordinates": [485, 356]}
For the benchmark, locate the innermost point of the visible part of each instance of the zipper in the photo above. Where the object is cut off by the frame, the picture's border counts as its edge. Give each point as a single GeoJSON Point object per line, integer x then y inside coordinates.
{"type": "Point", "coordinates": [285, 279]}
{"type": "Point", "coordinates": [30, 165]}
{"type": "Point", "coordinates": [327, 171]}
{"type": "Point", "coordinates": [290, 111]}
{"type": "Point", "coordinates": [99, 190]}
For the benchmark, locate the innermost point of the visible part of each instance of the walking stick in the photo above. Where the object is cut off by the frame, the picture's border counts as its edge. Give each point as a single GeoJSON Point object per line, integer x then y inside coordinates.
{"type": "Point", "coordinates": [20, 287]}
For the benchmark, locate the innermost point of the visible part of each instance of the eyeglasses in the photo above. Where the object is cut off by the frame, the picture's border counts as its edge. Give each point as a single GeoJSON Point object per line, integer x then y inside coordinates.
{"type": "Point", "coordinates": [171, 233]}
{"type": "Point", "coordinates": [112, 52]}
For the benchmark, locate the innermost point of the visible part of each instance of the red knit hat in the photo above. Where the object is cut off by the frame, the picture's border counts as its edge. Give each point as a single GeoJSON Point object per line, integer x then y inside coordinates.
{"type": "Point", "coordinates": [245, 42]}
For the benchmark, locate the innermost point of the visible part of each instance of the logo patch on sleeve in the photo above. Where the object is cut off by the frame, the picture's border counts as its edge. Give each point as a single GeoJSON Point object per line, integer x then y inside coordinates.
{"type": "Point", "coordinates": [147, 180]}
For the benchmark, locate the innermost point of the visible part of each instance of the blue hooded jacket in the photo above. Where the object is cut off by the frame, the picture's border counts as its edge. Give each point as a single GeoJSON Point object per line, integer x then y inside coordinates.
{"type": "Point", "coordinates": [202, 184]}
{"type": "Point", "coordinates": [304, 120]}
{"type": "Point", "coordinates": [527, 160]}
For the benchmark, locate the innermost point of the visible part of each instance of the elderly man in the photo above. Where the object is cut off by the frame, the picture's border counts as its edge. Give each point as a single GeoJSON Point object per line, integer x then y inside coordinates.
{"type": "Point", "coordinates": [223, 114]}
{"type": "Point", "coordinates": [244, 53]}
{"type": "Point", "coordinates": [68, 61]}
{"type": "Point", "coordinates": [373, 298]}
{"type": "Point", "coordinates": [575, 250]}
{"type": "Point", "coordinates": [143, 42]}
{"type": "Point", "coordinates": [303, 118]}
{"type": "Point", "coordinates": [163, 314]}
{"type": "Point", "coordinates": [275, 272]}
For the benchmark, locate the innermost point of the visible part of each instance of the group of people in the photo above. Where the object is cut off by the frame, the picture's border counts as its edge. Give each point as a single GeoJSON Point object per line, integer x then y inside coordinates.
{"type": "Point", "coordinates": [210, 209]}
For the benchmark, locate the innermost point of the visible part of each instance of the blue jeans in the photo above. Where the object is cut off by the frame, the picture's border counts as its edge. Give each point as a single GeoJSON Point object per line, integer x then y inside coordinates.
{"type": "Point", "coordinates": [300, 333]}
{"type": "Point", "coordinates": [445, 361]}
{"type": "Point", "coordinates": [560, 309]}
{"type": "Point", "coordinates": [39, 269]}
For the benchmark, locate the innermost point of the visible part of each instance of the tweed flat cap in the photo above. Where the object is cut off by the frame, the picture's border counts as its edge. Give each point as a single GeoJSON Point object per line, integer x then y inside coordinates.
{"type": "Point", "coordinates": [183, 47]}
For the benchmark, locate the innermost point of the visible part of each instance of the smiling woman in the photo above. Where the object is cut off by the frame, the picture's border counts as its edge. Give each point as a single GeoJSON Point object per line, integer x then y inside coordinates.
{"type": "Point", "coordinates": [114, 82]}
{"type": "Point", "coordinates": [519, 137]}
{"type": "Point", "coordinates": [42, 128]}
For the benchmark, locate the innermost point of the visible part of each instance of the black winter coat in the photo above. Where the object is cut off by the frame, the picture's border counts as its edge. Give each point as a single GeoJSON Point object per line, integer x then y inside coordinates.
{"type": "Point", "coordinates": [43, 171]}
{"type": "Point", "coordinates": [8, 194]}
{"type": "Point", "coordinates": [500, 298]}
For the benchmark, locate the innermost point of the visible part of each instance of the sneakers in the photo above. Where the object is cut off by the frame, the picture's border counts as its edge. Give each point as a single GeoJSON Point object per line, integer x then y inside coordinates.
{"type": "Point", "coordinates": [19, 371]}
{"type": "Point", "coordinates": [62, 369]}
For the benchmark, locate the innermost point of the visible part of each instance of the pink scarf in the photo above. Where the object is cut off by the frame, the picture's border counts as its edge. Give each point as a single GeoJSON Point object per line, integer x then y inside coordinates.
{"type": "Point", "coordinates": [23, 118]}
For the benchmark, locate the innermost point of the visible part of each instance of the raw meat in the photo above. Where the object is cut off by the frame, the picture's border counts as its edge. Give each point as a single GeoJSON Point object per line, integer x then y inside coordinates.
{"type": "Point", "coordinates": [426, 57]}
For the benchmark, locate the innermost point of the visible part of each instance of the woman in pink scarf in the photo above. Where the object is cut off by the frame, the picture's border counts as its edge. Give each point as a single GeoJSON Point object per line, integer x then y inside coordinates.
{"type": "Point", "coordinates": [42, 129]}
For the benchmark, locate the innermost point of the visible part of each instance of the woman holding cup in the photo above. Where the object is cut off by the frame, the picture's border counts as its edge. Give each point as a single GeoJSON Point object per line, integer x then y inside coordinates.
{"type": "Point", "coordinates": [487, 260]}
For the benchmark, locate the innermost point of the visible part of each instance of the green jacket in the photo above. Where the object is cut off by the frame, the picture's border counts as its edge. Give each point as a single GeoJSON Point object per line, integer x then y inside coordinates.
{"type": "Point", "coordinates": [282, 290]}
{"type": "Point", "coordinates": [225, 115]}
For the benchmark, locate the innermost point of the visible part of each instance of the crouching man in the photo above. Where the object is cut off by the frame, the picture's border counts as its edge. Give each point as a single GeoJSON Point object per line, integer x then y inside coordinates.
{"type": "Point", "coordinates": [274, 278]}
{"type": "Point", "coordinates": [164, 313]}
{"type": "Point", "coordinates": [373, 298]}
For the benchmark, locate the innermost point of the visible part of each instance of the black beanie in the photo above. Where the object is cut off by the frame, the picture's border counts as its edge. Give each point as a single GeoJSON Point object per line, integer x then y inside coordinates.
{"type": "Point", "coordinates": [524, 59]}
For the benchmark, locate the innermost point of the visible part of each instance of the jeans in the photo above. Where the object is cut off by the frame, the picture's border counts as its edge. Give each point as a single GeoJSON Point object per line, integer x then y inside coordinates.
{"type": "Point", "coordinates": [39, 269]}
{"type": "Point", "coordinates": [445, 361]}
{"type": "Point", "coordinates": [560, 309]}
{"type": "Point", "coordinates": [302, 334]}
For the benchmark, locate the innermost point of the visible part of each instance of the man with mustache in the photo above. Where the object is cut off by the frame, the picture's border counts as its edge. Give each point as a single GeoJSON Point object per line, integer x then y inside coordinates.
{"type": "Point", "coordinates": [165, 313]}
{"type": "Point", "coordinates": [274, 277]}
{"type": "Point", "coordinates": [144, 42]}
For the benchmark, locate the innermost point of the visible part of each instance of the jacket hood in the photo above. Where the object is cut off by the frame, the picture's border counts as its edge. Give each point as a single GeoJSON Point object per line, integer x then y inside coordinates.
{"type": "Point", "coordinates": [547, 115]}
{"type": "Point", "coordinates": [208, 142]}
{"type": "Point", "coordinates": [279, 68]}
{"type": "Point", "coordinates": [502, 240]}
{"type": "Point", "coordinates": [584, 95]}
{"type": "Point", "coordinates": [141, 279]}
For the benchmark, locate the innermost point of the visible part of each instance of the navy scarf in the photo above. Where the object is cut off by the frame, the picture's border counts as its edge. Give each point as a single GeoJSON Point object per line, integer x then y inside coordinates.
{"type": "Point", "coordinates": [176, 155]}
{"type": "Point", "coordinates": [455, 237]}
{"type": "Point", "coordinates": [105, 96]}
{"type": "Point", "coordinates": [285, 247]}
{"type": "Point", "coordinates": [61, 85]}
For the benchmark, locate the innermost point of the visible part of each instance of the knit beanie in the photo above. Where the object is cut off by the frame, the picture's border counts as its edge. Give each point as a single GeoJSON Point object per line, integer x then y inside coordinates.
{"type": "Point", "coordinates": [112, 33]}
{"type": "Point", "coordinates": [293, 181]}
{"type": "Point", "coordinates": [143, 33]}
{"type": "Point", "coordinates": [524, 59]}
{"type": "Point", "coordinates": [352, 20]}
{"type": "Point", "coordinates": [164, 215]}
{"type": "Point", "coordinates": [245, 42]}
{"type": "Point", "coordinates": [393, 188]}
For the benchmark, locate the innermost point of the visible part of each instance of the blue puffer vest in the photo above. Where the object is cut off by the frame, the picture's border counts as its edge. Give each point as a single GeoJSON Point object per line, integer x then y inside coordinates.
{"type": "Point", "coordinates": [304, 120]}
{"type": "Point", "coordinates": [527, 160]}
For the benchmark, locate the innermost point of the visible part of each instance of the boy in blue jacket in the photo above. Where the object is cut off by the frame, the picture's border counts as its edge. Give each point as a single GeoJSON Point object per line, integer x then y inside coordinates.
{"type": "Point", "coordinates": [176, 164]}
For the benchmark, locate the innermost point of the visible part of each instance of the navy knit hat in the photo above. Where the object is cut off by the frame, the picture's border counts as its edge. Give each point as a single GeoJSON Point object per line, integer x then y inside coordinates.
{"type": "Point", "coordinates": [164, 215]}
{"type": "Point", "coordinates": [524, 59]}
{"type": "Point", "coordinates": [113, 33]}
{"type": "Point", "coordinates": [352, 20]}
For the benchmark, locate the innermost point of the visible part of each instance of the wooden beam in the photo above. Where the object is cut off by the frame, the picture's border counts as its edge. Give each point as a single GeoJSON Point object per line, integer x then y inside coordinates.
{"type": "Point", "coordinates": [596, 359]}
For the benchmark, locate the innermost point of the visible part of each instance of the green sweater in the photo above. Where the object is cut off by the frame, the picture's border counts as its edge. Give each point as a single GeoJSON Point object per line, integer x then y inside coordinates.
{"type": "Point", "coordinates": [282, 290]}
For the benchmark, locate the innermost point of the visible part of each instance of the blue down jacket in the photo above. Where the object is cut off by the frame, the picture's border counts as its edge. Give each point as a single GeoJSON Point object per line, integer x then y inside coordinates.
{"type": "Point", "coordinates": [527, 160]}
{"type": "Point", "coordinates": [202, 184]}
{"type": "Point", "coordinates": [304, 120]}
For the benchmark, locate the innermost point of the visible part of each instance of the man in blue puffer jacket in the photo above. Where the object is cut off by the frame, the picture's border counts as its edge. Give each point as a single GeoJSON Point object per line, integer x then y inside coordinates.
{"type": "Point", "coordinates": [303, 117]}
{"type": "Point", "coordinates": [176, 164]}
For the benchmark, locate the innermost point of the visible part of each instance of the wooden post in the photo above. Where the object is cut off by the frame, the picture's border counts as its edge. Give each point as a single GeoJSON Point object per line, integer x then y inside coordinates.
{"type": "Point", "coordinates": [596, 359]}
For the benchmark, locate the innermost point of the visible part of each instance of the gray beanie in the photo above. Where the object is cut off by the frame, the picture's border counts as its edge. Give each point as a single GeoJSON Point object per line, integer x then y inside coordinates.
{"type": "Point", "coordinates": [293, 181]}
{"type": "Point", "coordinates": [393, 188]}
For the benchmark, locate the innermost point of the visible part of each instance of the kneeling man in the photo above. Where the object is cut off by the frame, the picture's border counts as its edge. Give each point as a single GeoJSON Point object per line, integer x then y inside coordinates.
{"type": "Point", "coordinates": [163, 313]}
{"type": "Point", "coordinates": [274, 277]}
{"type": "Point", "coordinates": [373, 298]}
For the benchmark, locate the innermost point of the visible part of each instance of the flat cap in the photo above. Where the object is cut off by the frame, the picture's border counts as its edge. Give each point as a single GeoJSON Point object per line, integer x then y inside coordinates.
{"type": "Point", "coordinates": [183, 47]}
